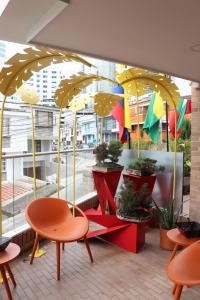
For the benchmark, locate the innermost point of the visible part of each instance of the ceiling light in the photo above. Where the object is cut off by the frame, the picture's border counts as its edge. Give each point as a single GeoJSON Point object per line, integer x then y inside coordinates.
{"type": "Point", "coordinates": [3, 4]}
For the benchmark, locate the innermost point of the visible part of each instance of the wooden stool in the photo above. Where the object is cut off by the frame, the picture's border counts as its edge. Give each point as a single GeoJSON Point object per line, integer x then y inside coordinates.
{"type": "Point", "coordinates": [6, 257]}
{"type": "Point", "coordinates": [179, 240]}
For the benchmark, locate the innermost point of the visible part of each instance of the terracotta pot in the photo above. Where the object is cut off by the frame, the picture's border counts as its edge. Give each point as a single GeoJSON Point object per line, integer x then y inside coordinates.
{"type": "Point", "coordinates": [165, 242]}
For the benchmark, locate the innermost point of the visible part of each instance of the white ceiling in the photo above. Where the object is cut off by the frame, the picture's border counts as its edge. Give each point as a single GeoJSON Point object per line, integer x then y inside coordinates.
{"type": "Point", "coordinates": [157, 34]}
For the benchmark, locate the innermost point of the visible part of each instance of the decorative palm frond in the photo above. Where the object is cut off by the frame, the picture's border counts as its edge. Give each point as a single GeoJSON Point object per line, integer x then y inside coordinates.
{"type": "Point", "coordinates": [22, 65]}
{"type": "Point", "coordinates": [69, 88]}
{"type": "Point", "coordinates": [28, 94]}
{"type": "Point", "coordinates": [104, 103]}
{"type": "Point", "coordinates": [135, 82]}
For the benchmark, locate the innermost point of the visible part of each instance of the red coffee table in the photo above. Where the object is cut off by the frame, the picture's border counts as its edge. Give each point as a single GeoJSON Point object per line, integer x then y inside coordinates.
{"type": "Point", "coordinates": [6, 257]}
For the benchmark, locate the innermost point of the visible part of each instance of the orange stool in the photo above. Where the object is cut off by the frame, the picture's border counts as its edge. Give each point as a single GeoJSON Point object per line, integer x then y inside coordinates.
{"type": "Point", "coordinates": [184, 269]}
{"type": "Point", "coordinates": [52, 219]}
{"type": "Point", "coordinates": [6, 257]}
{"type": "Point", "coordinates": [179, 240]}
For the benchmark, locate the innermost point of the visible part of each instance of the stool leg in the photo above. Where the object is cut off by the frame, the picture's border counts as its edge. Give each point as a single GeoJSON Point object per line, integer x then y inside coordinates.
{"type": "Point", "coordinates": [173, 252]}
{"type": "Point", "coordinates": [34, 248]}
{"type": "Point", "coordinates": [10, 274]}
{"type": "Point", "coordinates": [174, 288]}
{"type": "Point", "coordinates": [63, 246]}
{"type": "Point", "coordinates": [58, 259]}
{"type": "Point", "coordinates": [88, 248]}
{"type": "Point", "coordinates": [5, 282]}
{"type": "Point", "coordinates": [178, 292]}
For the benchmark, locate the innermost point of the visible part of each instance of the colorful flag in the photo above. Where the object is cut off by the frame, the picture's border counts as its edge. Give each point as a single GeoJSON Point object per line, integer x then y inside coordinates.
{"type": "Point", "coordinates": [121, 113]}
{"type": "Point", "coordinates": [183, 108]}
{"type": "Point", "coordinates": [155, 111]}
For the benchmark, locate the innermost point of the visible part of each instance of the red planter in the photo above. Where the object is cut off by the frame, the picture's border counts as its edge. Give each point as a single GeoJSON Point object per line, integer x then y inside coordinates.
{"type": "Point", "coordinates": [127, 235]}
{"type": "Point", "coordinates": [138, 181]}
{"type": "Point", "coordinates": [106, 185]}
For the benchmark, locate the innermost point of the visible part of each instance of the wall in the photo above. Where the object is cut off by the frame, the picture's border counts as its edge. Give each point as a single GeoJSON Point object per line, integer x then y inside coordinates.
{"type": "Point", "coordinates": [195, 154]}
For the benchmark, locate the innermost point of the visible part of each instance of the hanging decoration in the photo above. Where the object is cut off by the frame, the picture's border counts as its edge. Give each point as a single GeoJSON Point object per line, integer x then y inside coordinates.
{"type": "Point", "coordinates": [20, 68]}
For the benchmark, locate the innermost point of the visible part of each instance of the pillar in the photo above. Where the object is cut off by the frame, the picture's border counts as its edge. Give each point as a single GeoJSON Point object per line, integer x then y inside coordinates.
{"type": "Point", "coordinates": [195, 155]}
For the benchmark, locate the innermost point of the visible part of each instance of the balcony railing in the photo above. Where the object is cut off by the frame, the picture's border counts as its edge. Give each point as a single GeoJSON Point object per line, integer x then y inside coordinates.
{"type": "Point", "coordinates": [17, 189]}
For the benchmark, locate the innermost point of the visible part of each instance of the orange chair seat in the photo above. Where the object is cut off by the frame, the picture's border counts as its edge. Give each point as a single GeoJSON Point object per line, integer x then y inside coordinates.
{"type": "Point", "coordinates": [184, 269]}
{"type": "Point", "coordinates": [67, 231]}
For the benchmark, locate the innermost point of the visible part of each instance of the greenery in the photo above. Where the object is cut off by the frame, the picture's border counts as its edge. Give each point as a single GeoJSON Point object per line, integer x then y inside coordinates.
{"type": "Point", "coordinates": [115, 149]}
{"type": "Point", "coordinates": [186, 130]}
{"type": "Point", "coordinates": [168, 216]}
{"type": "Point", "coordinates": [110, 152]}
{"type": "Point", "coordinates": [145, 166]}
{"type": "Point", "coordinates": [101, 153]}
{"type": "Point", "coordinates": [132, 203]}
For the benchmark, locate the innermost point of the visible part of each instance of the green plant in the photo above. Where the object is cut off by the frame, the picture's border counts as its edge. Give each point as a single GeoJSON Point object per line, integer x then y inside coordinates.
{"type": "Point", "coordinates": [146, 166]}
{"type": "Point", "coordinates": [186, 130]}
{"type": "Point", "coordinates": [101, 153]}
{"type": "Point", "coordinates": [132, 203]}
{"type": "Point", "coordinates": [115, 149]}
{"type": "Point", "coordinates": [110, 152]}
{"type": "Point", "coordinates": [168, 215]}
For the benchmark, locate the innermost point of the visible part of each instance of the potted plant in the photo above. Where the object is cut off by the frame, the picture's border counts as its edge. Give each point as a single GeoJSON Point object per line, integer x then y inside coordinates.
{"type": "Point", "coordinates": [168, 219]}
{"type": "Point", "coordinates": [107, 156]}
{"type": "Point", "coordinates": [106, 174]}
{"type": "Point", "coordinates": [143, 171]}
{"type": "Point", "coordinates": [133, 205]}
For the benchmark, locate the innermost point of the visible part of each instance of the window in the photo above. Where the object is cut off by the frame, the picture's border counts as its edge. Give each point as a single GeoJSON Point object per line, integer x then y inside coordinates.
{"type": "Point", "coordinates": [6, 127]}
{"type": "Point", "coordinates": [3, 165]}
{"type": "Point", "coordinates": [44, 118]}
{"type": "Point", "coordinates": [38, 147]}
{"type": "Point", "coordinates": [139, 110]}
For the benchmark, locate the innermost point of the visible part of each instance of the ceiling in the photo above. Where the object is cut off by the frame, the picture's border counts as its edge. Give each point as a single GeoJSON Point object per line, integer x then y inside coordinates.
{"type": "Point", "coordinates": [158, 34]}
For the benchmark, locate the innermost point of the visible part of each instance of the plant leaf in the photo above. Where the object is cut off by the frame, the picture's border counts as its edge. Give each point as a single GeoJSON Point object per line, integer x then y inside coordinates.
{"type": "Point", "coordinates": [69, 88]}
{"type": "Point", "coordinates": [21, 66]}
{"type": "Point", "coordinates": [135, 82]}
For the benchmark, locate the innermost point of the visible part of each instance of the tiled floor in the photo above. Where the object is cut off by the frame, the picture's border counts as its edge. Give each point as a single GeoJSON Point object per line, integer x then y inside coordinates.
{"type": "Point", "coordinates": [115, 274]}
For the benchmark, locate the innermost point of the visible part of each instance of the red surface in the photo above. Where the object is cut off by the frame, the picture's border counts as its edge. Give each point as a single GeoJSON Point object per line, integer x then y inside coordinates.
{"type": "Point", "coordinates": [138, 181]}
{"type": "Point", "coordinates": [106, 184]}
{"type": "Point", "coordinates": [127, 235]}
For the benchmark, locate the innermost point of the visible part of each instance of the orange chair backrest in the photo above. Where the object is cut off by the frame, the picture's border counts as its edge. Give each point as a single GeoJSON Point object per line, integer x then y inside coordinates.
{"type": "Point", "coordinates": [47, 211]}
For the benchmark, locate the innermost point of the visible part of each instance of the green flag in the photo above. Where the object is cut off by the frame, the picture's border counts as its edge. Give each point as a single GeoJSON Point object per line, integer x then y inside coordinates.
{"type": "Point", "coordinates": [154, 113]}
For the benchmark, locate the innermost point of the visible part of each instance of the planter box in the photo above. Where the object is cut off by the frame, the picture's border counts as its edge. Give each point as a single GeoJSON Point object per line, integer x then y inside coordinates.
{"type": "Point", "coordinates": [165, 242]}
{"type": "Point", "coordinates": [107, 168]}
{"type": "Point", "coordinates": [138, 181]}
{"type": "Point", "coordinates": [106, 183]}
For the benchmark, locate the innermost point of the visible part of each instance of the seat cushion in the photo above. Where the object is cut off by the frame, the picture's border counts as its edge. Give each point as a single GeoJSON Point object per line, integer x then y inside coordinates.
{"type": "Point", "coordinates": [67, 231]}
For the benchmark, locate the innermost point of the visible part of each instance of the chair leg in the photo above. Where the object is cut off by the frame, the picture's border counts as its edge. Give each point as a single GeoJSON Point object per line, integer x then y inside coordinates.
{"type": "Point", "coordinates": [173, 252]}
{"type": "Point", "coordinates": [34, 248]}
{"type": "Point", "coordinates": [5, 282]}
{"type": "Point", "coordinates": [174, 288]}
{"type": "Point", "coordinates": [58, 259]}
{"type": "Point", "coordinates": [88, 248]}
{"type": "Point", "coordinates": [10, 274]}
{"type": "Point", "coordinates": [63, 246]}
{"type": "Point", "coordinates": [178, 292]}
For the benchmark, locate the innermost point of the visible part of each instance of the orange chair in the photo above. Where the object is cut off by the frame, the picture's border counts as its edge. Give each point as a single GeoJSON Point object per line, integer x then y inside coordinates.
{"type": "Point", "coordinates": [184, 268]}
{"type": "Point", "coordinates": [52, 219]}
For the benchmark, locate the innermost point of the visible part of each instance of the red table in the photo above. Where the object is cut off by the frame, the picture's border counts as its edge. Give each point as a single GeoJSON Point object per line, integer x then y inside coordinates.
{"type": "Point", "coordinates": [6, 257]}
